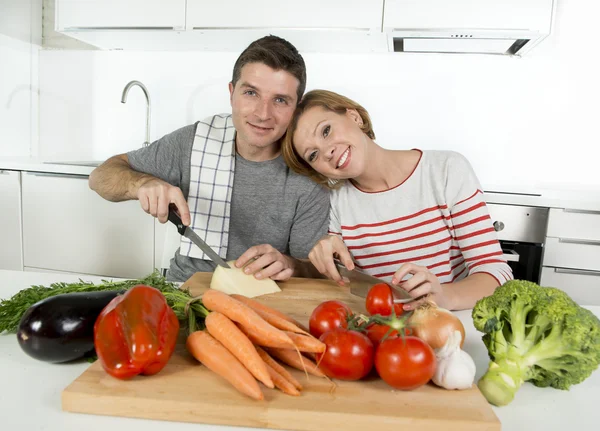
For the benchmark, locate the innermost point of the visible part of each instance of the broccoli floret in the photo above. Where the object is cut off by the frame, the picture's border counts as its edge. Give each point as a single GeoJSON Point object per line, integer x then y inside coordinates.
{"type": "Point", "coordinates": [537, 334]}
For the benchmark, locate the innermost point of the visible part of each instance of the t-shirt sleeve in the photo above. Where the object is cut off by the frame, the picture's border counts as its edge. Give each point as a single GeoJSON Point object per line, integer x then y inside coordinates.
{"type": "Point", "coordinates": [168, 158]}
{"type": "Point", "coordinates": [472, 224]}
{"type": "Point", "coordinates": [335, 227]}
{"type": "Point", "coordinates": [310, 222]}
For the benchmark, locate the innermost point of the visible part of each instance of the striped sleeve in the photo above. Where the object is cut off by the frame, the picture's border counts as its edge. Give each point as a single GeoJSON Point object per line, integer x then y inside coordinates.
{"type": "Point", "coordinates": [473, 231]}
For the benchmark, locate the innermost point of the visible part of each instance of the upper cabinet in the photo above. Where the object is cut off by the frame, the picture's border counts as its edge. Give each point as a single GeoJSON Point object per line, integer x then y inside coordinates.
{"type": "Point", "coordinates": [508, 27]}
{"type": "Point", "coordinates": [308, 14]}
{"type": "Point", "coordinates": [120, 14]}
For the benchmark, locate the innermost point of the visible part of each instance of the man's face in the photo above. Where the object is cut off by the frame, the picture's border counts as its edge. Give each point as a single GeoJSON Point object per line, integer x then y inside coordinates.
{"type": "Point", "coordinates": [262, 104]}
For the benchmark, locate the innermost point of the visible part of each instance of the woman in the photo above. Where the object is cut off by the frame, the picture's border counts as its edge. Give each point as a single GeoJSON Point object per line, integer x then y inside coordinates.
{"type": "Point", "coordinates": [414, 218]}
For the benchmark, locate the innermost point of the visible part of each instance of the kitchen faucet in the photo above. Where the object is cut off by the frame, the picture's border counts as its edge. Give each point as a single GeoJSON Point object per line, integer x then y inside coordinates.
{"type": "Point", "coordinates": [145, 90]}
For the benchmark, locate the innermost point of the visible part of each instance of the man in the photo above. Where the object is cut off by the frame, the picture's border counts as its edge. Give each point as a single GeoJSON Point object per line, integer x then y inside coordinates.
{"type": "Point", "coordinates": [227, 178]}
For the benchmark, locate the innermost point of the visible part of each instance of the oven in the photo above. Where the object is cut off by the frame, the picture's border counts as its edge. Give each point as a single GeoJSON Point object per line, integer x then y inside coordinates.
{"type": "Point", "coordinates": [521, 231]}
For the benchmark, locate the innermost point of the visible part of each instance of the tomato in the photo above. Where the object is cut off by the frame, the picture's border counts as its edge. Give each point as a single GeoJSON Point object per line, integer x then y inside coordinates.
{"type": "Point", "coordinates": [328, 316]}
{"type": "Point", "coordinates": [376, 332]}
{"type": "Point", "coordinates": [405, 363]}
{"type": "Point", "coordinates": [380, 301]}
{"type": "Point", "coordinates": [348, 356]}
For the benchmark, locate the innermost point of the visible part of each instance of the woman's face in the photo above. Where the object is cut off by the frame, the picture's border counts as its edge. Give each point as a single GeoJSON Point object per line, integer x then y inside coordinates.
{"type": "Point", "coordinates": [332, 144]}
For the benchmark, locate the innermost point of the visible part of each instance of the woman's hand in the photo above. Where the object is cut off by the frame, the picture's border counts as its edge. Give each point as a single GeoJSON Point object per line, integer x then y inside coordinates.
{"type": "Point", "coordinates": [323, 253]}
{"type": "Point", "coordinates": [422, 283]}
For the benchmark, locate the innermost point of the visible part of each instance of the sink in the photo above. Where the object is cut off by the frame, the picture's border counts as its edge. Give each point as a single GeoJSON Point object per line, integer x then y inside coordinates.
{"type": "Point", "coordinates": [92, 163]}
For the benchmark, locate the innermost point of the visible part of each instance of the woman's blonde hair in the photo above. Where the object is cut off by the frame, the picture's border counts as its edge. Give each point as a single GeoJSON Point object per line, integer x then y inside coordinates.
{"type": "Point", "coordinates": [332, 102]}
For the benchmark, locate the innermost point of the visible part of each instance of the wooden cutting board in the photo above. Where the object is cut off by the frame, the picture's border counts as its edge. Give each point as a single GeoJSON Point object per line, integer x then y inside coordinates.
{"type": "Point", "coordinates": [186, 391]}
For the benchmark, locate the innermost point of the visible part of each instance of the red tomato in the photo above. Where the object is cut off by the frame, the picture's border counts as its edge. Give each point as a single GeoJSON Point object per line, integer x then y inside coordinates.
{"type": "Point", "coordinates": [405, 363]}
{"type": "Point", "coordinates": [349, 354]}
{"type": "Point", "coordinates": [380, 301]}
{"type": "Point", "coordinates": [376, 332]}
{"type": "Point", "coordinates": [328, 316]}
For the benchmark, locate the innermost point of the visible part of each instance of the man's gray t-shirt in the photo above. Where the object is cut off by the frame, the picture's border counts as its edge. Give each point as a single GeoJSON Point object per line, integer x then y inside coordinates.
{"type": "Point", "coordinates": [270, 204]}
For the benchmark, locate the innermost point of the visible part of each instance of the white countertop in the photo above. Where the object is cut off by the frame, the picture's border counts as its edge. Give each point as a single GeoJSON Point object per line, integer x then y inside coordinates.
{"type": "Point", "coordinates": [582, 198]}
{"type": "Point", "coordinates": [30, 395]}
{"type": "Point", "coordinates": [30, 164]}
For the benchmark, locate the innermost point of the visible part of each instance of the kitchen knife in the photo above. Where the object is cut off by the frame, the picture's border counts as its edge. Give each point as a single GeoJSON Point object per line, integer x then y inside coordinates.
{"type": "Point", "coordinates": [361, 282]}
{"type": "Point", "coordinates": [192, 236]}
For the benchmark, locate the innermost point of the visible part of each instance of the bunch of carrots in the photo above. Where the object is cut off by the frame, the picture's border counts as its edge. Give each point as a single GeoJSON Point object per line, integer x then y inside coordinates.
{"type": "Point", "coordinates": [243, 337]}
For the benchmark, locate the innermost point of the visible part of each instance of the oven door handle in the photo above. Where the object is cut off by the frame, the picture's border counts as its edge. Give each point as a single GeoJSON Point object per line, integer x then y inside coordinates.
{"type": "Point", "coordinates": [511, 256]}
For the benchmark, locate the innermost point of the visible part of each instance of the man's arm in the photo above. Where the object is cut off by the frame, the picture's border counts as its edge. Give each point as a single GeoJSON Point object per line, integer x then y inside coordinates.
{"type": "Point", "coordinates": [115, 181]}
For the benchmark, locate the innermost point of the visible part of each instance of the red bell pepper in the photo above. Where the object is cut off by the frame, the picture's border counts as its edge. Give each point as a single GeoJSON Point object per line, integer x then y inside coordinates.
{"type": "Point", "coordinates": [136, 333]}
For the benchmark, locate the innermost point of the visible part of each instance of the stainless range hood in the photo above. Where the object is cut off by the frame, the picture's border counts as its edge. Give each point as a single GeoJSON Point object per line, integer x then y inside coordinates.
{"type": "Point", "coordinates": [500, 27]}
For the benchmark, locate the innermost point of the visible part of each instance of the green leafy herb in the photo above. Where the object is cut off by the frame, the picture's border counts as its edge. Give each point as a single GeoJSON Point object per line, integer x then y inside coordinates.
{"type": "Point", "coordinates": [12, 309]}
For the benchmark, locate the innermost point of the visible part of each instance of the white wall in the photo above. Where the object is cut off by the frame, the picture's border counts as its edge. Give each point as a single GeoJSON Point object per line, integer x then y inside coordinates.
{"type": "Point", "coordinates": [522, 122]}
{"type": "Point", "coordinates": [20, 40]}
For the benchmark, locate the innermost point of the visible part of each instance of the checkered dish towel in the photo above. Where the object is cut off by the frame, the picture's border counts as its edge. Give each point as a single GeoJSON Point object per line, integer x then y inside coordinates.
{"type": "Point", "coordinates": [211, 185]}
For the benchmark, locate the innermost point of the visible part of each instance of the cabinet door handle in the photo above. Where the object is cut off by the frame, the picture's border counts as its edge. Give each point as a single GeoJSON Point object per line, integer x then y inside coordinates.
{"type": "Point", "coordinates": [58, 175]}
{"type": "Point", "coordinates": [574, 211]}
{"type": "Point", "coordinates": [280, 28]}
{"type": "Point", "coordinates": [578, 241]}
{"type": "Point", "coordinates": [117, 28]}
{"type": "Point", "coordinates": [576, 272]}
{"type": "Point", "coordinates": [3, 172]}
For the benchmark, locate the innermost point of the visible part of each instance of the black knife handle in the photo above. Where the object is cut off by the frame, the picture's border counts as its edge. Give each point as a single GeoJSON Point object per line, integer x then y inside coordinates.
{"type": "Point", "coordinates": [176, 220]}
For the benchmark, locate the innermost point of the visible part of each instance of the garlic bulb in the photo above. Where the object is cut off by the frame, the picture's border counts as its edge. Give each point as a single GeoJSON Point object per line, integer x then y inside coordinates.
{"type": "Point", "coordinates": [455, 368]}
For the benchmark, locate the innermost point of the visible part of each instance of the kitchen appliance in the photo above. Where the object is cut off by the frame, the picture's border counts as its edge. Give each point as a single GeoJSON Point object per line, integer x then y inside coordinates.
{"type": "Point", "coordinates": [192, 236]}
{"type": "Point", "coordinates": [501, 27]}
{"type": "Point", "coordinates": [521, 231]}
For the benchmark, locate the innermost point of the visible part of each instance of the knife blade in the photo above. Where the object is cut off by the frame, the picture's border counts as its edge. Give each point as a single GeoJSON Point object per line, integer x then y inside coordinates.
{"type": "Point", "coordinates": [192, 236]}
{"type": "Point", "coordinates": [361, 282]}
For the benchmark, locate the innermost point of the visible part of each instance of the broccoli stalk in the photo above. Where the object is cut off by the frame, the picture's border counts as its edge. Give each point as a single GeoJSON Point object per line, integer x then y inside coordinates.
{"type": "Point", "coordinates": [534, 334]}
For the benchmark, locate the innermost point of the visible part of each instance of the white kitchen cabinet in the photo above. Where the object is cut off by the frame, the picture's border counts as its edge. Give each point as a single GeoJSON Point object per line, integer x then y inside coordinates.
{"type": "Point", "coordinates": [581, 285]}
{"type": "Point", "coordinates": [308, 14]}
{"type": "Point", "coordinates": [468, 14]}
{"type": "Point", "coordinates": [120, 14]}
{"type": "Point", "coordinates": [69, 228]}
{"type": "Point", "coordinates": [11, 256]}
{"type": "Point", "coordinates": [572, 254]}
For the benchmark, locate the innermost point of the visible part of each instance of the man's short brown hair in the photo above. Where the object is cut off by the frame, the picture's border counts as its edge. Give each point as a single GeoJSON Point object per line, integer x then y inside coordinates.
{"type": "Point", "coordinates": [278, 54]}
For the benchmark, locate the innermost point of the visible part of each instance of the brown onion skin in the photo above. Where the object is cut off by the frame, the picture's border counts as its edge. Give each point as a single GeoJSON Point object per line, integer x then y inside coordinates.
{"type": "Point", "coordinates": [428, 317]}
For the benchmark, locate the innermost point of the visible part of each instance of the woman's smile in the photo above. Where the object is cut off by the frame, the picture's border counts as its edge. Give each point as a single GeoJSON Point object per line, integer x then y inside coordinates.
{"type": "Point", "coordinates": [344, 159]}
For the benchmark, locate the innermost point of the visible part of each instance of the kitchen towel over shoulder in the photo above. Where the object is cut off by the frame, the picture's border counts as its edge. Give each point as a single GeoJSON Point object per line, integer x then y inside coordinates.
{"type": "Point", "coordinates": [211, 184]}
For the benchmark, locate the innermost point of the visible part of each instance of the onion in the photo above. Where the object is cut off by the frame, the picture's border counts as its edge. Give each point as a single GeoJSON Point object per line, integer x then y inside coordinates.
{"type": "Point", "coordinates": [434, 325]}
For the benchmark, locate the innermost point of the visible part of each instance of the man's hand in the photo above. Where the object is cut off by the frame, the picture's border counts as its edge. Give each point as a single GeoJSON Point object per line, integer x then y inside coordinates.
{"type": "Point", "coordinates": [156, 195]}
{"type": "Point", "coordinates": [323, 253]}
{"type": "Point", "coordinates": [269, 263]}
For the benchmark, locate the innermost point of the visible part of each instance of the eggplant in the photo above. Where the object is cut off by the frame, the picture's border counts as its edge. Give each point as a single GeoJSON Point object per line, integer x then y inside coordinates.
{"type": "Point", "coordinates": [61, 328]}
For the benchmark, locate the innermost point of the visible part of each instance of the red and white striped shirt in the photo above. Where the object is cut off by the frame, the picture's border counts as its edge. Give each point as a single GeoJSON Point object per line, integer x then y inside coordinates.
{"type": "Point", "coordinates": [436, 218]}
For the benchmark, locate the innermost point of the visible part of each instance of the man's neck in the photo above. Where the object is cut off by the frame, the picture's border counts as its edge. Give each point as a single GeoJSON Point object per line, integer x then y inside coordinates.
{"type": "Point", "coordinates": [258, 154]}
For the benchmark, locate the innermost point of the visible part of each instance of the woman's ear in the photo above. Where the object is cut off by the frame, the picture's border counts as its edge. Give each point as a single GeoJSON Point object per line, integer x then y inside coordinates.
{"type": "Point", "coordinates": [354, 116]}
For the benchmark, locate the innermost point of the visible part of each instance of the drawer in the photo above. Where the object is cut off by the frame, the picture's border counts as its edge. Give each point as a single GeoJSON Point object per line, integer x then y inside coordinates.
{"type": "Point", "coordinates": [574, 224]}
{"type": "Point", "coordinates": [582, 286]}
{"type": "Point", "coordinates": [571, 253]}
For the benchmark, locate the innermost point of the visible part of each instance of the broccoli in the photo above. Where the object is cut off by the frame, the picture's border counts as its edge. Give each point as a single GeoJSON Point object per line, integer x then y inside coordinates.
{"type": "Point", "coordinates": [536, 334]}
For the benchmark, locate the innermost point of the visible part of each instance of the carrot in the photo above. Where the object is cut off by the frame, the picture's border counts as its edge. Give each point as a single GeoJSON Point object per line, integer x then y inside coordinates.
{"type": "Point", "coordinates": [306, 344]}
{"type": "Point", "coordinates": [225, 331]}
{"type": "Point", "coordinates": [282, 383]}
{"type": "Point", "coordinates": [290, 357]}
{"type": "Point", "coordinates": [259, 340]}
{"type": "Point", "coordinates": [277, 367]}
{"type": "Point", "coordinates": [239, 312]}
{"type": "Point", "coordinates": [221, 361]}
{"type": "Point", "coordinates": [258, 306]}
